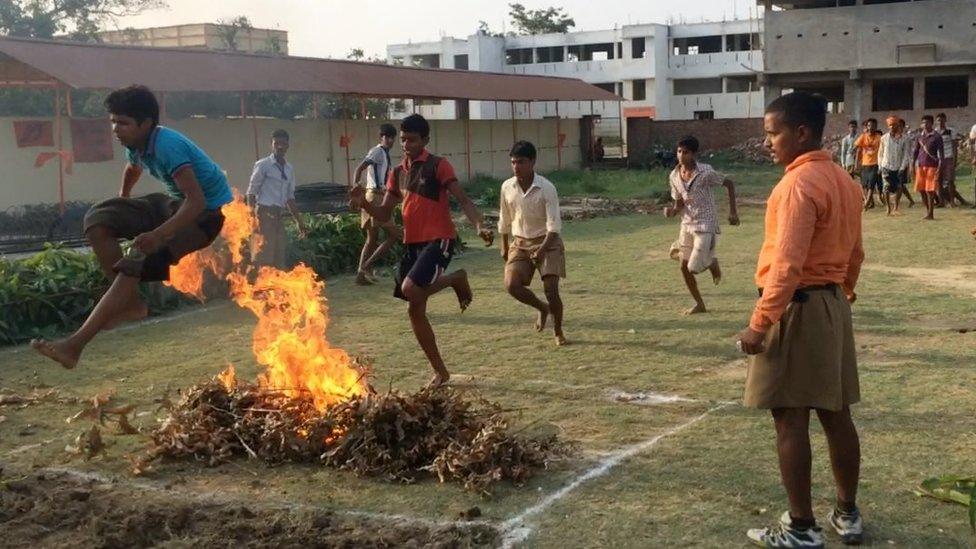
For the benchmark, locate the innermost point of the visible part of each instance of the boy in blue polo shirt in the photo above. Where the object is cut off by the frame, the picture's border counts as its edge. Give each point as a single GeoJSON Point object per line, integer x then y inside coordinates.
{"type": "Point", "coordinates": [164, 227]}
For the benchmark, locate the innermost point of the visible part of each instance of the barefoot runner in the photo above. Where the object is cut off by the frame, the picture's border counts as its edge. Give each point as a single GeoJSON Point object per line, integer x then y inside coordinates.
{"type": "Point", "coordinates": [691, 189]}
{"type": "Point", "coordinates": [894, 156]}
{"type": "Point", "coordinates": [800, 338]}
{"type": "Point", "coordinates": [377, 168]}
{"type": "Point", "coordinates": [423, 182]}
{"type": "Point", "coordinates": [164, 227]}
{"type": "Point", "coordinates": [927, 161]}
{"type": "Point", "coordinates": [529, 213]}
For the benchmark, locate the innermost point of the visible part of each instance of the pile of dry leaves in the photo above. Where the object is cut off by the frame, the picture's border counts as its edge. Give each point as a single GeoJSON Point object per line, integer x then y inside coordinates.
{"type": "Point", "coordinates": [396, 436]}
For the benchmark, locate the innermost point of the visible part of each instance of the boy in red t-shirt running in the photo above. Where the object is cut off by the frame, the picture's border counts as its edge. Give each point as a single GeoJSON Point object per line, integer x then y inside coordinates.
{"type": "Point", "coordinates": [423, 181]}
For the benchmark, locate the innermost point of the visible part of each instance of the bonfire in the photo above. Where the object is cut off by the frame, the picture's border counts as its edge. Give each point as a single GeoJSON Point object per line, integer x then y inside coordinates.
{"type": "Point", "coordinates": [312, 402]}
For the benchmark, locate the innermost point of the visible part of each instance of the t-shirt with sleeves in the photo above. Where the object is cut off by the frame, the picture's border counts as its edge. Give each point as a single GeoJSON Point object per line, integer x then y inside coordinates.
{"type": "Point", "coordinates": [869, 145]}
{"type": "Point", "coordinates": [167, 151]}
{"type": "Point", "coordinates": [378, 167]}
{"type": "Point", "coordinates": [699, 213]}
{"type": "Point", "coordinates": [426, 205]}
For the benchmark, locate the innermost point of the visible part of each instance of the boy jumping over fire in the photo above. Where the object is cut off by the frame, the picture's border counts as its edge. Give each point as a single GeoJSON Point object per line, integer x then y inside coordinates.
{"type": "Point", "coordinates": [164, 227]}
{"type": "Point", "coordinates": [423, 181]}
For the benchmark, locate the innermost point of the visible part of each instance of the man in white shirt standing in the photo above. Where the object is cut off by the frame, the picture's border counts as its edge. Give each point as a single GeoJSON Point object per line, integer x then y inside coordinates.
{"type": "Point", "coordinates": [377, 167]}
{"type": "Point", "coordinates": [947, 179]}
{"type": "Point", "coordinates": [270, 193]}
{"type": "Point", "coordinates": [894, 157]}
{"type": "Point", "coordinates": [529, 216]}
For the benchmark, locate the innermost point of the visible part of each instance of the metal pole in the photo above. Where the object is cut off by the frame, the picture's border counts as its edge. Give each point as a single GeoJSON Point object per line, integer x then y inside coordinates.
{"type": "Point", "coordinates": [58, 131]}
{"type": "Point", "coordinates": [315, 107]}
{"type": "Point", "coordinates": [514, 129]}
{"type": "Point", "coordinates": [67, 102]}
{"type": "Point", "coordinates": [362, 108]}
{"type": "Point", "coordinates": [467, 144]}
{"type": "Point", "coordinates": [620, 117]}
{"type": "Point", "coordinates": [345, 135]}
{"type": "Point", "coordinates": [559, 144]}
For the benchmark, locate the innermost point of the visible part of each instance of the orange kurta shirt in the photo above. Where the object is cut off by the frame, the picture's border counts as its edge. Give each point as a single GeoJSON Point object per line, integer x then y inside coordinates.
{"type": "Point", "coordinates": [813, 235]}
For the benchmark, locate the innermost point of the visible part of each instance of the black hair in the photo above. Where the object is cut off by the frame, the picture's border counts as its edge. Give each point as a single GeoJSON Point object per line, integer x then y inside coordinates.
{"type": "Point", "coordinates": [802, 109]}
{"type": "Point", "coordinates": [853, 123]}
{"type": "Point", "coordinates": [280, 134]}
{"type": "Point", "coordinates": [135, 101]}
{"type": "Point", "coordinates": [415, 124]}
{"type": "Point", "coordinates": [387, 130]}
{"type": "Point", "coordinates": [928, 117]}
{"type": "Point", "coordinates": [523, 149]}
{"type": "Point", "coordinates": [869, 120]}
{"type": "Point", "coordinates": [942, 115]}
{"type": "Point", "coordinates": [689, 142]}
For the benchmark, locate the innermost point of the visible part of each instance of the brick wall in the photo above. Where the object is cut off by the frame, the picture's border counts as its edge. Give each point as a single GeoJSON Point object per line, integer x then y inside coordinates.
{"type": "Point", "coordinates": [643, 133]}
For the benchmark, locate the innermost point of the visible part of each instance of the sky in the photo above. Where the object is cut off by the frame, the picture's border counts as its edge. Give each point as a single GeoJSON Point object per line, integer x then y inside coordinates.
{"type": "Point", "coordinates": [331, 28]}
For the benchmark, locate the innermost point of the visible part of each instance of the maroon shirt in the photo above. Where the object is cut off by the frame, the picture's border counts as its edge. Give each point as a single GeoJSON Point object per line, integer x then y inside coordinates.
{"type": "Point", "coordinates": [928, 150]}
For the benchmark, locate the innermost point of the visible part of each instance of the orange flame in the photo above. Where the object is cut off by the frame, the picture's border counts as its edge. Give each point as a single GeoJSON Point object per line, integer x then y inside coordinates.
{"type": "Point", "coordinates": [290, 337]}
{"type": "Point", "coordinates": [228, 378]}
{"type": "Point", "coordinates": [187, 275]}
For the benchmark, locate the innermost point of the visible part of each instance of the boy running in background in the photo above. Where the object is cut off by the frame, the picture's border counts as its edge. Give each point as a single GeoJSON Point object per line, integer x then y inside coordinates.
{"type": "Point", "coordinates": [691, 185]}
{"type": "Point", "coordinates": [377, 167]}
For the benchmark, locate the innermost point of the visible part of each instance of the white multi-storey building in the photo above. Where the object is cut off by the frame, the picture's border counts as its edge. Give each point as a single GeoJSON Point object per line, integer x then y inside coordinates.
{"type": "Point", "coordinates": [665, 72]}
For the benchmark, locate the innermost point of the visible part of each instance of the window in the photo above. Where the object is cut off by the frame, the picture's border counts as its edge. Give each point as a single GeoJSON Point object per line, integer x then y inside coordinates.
{"type": "Point", "coordinates": [895, 94]}
{"type": "Point", "coordinates": [697, 45]}
{"type": "Point", "coordinates": [549, 55]}
{"type": "Point", "coordinates": [430, 61]}
{"type": "Point", "coordinates": [739, 84]}
{"type": "Point", "coordinates": [620, 50]}
{"type": "Point", "coordinates": [640, 90]}
{"type": "Point", "coordinates": [591, 52]}
{"type": "Point", "coordinates": [521, 56]}
{"type": "Point", "coordinates": [696, 86]}
{"type": "Point", "coordinates": [946, 92]}
{"type": "Point", "coordinates": [638, 46]}
{"type": "Point", "coordinates": [704, 115]}
{"type": "Point", "coordinates": [461, 62]}
{"type": "Point", "coordinates": [742, 42]}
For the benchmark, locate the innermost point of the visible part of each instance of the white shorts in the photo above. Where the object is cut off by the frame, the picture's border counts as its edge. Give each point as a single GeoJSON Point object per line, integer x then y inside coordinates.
{"type": "Point", "coordinates": [697, 248]}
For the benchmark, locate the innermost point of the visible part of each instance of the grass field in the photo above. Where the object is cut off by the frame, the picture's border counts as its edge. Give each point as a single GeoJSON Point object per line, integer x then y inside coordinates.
{"type": "Point", "coordinates": [696, 472]}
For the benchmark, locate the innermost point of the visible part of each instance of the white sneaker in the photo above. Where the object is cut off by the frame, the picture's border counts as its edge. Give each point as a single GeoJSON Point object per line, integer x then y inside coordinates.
{"type": "Point", "coordinates": [848, 526]}
{"type": "Point", "coordinates": [785, 536]}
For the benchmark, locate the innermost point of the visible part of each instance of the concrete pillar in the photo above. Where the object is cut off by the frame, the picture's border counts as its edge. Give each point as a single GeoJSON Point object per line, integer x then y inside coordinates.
{"type": "Point", "coordinates": [771, 92]}
{"type": "Point", "coordinates": [853, 98]}
{"type": "Point", "coordinates": [918, 93]}
{"type": "Point", "coordinates": [724, 41]}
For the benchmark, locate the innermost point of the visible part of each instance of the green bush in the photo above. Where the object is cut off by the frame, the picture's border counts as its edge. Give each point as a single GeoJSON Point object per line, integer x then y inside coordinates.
{"type": "Point", "coordinates": [333, 243]}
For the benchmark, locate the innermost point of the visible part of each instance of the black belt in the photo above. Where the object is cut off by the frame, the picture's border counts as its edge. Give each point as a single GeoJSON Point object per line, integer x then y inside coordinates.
{"type": "Point", "coordinates": [802, 295]}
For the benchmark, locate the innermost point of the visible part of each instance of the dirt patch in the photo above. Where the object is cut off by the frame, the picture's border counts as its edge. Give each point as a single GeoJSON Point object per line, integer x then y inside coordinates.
{"type": "Point", "coordinates": [961, 278]}
{"type": "Point", "coordinates": [60, 509]}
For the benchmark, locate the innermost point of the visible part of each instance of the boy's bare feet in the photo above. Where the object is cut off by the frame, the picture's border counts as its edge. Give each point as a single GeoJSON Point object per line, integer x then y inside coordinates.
{"type": "Point", "coordinates": [929, 218]}
{"type": "Point", "coordinates": [540, 323]}
{"type": "Point", "coordinates": [438, 381]}
{"type": "Point", "coordinates": [716, 272]}
{"type": "Point", "coordinates": [560, 340]}
{"type": "Point", "coordinates": [463, 289]}
{"type": "Point", "coordinates": [699, 308]}
{"type": "Point", "coordinates": [57, 351]}
{"type": "Point", "coordinates": [361, 279]}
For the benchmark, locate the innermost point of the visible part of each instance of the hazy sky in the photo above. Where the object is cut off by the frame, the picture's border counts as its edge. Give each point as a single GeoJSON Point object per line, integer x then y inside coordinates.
{"type": "Point", "coordinates": [330, 28]}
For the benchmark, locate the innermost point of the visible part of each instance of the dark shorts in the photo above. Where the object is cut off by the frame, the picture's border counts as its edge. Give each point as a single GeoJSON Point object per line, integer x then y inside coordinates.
{"type": "Point", "coordinates": [894, 180]}
{"type": "Point", "coordinates": [129, 217]}
{"type": "Point", "coordinates": [871, 177]}
{"type": "Point", "coordinates": [423, 263]}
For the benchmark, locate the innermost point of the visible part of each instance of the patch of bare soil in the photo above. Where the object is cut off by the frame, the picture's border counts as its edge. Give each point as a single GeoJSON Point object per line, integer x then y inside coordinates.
{"type": "Point", "coordinates": [59, 509]}
{"type": "Point", "coordinates": [960, 278]}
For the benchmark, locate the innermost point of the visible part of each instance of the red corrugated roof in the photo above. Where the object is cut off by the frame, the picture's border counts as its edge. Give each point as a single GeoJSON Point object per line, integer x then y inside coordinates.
{"type": "Point", "coordinates": [98, 66]}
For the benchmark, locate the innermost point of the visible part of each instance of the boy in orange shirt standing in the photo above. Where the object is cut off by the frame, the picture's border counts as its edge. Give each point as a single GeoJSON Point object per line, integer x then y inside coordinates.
{"type": "Point", "coordinates": [867, 147]}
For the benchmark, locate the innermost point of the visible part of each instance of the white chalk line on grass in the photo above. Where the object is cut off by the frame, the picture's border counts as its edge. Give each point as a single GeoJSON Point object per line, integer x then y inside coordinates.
{"type": "Point", "coordinates": [140, 324]}
{"type": "Point", "coordinates": [518, 529]}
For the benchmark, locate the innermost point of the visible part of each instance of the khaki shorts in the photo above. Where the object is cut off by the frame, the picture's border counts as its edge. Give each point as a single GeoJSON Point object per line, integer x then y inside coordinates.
{"type": "Point", "coordinates": [129, 217]}
{"type": "Point", "coordinates": [521, 266]}
{"type": "Point", "coordinates": [697, 248]}
{"type": "Point", "coordinates": [810, 359]}
{"type": "Point", "coordinates": [271, 248]}
{"type": "Point", "coordinates": [366, 221]}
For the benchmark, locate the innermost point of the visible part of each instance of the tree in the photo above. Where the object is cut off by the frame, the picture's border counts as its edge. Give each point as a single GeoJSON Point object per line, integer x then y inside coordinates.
{"type": "Point", "coordinates": [73, 19]}
{"type": "Point", "coordinates": [545, 21]}
{"type": "Point", "coordinates": [228, 29]}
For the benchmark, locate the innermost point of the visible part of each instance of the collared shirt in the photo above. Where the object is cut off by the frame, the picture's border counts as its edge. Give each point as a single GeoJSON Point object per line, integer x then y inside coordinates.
{"type": "Point", "coordinates": [895, 153]}
{"type": "Point", "coordinates": [867, 144]}
{"type": "Point", "coordinates": [529, 214]}
{"type": "Point", "coordinates": [972, 133]}
{"type": "Point", "coordinates": [271, 183]}
{"type": "Point", "coordinates": [812, 235]}
{"type": "Point", "coordinates": [949, 137]}
{"type": "Point", "coordinates": [378, 162]}
{"type": "Point", "coordinates": [167, 151]}
{"type": "Point", "coordinates": [426, 206]}
{"type": "Point", "coordinates": [847, 151]}
{"type": "Point", "coordinates": [927, 149]}
{"type": "Point", "coordinates": [699, 211]}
